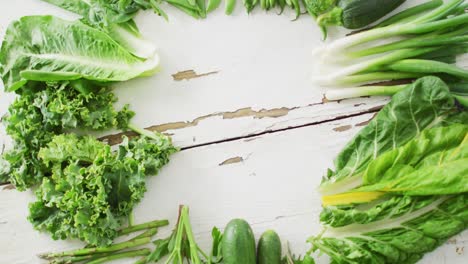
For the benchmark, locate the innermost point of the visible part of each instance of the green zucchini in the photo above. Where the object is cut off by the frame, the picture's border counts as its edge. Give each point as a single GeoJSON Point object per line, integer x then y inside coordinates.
{"type": "Point", "coordinates": [238, 244]}
{"type": "Point", "coordinates": [353, 14]}
{"type": "Point", "coordinates": [269, 248]}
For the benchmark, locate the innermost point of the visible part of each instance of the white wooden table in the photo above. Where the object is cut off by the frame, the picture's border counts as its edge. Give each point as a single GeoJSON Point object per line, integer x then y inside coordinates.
{"type": "Point", "coordinates": [255, 134]}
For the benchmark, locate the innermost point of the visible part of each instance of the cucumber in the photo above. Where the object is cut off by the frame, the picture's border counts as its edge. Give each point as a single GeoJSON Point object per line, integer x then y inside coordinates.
{"type": "Point", "coordinates": [238, 244]}
{"type": "Point", "coordinates": [269, 248]}
{"type": "Point", "coordinates": [353, 14]}
{"type": "Point", "coordinates": [361, 13]}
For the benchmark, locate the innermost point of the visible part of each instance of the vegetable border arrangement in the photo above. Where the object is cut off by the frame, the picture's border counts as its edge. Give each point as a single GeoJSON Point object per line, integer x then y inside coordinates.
{"type": "Point", "coordinates": [398, 189]}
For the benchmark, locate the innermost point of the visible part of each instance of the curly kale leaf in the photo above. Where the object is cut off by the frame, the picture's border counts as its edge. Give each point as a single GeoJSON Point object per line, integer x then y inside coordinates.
{"type": "Point", "coordinates": [91, 188]}
{"type": "Point", "coordinates": [45, 110]}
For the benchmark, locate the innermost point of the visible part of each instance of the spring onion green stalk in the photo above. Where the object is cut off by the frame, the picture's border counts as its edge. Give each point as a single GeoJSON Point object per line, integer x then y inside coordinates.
{"type": "Point", "coordinates": [410, 13]}
{"type": "Point", "coordinates": [360, 67]}
{"type": "Point", "coordinates": [373, 77]}
{"type": "Point", "coordinates": [458, 90]}
{"type": "Point", "coordinates": [152, 224]}
{"type": "Point", "coordinates": [345, 93]}
{"type": "Point", "coordinates": [424, 41]}
{"type": "Point", "coordinates": [424, 24]}
{"type": "Point", "coordinates": [428, 66]}
{"type": "Point", "coordinates": [443, 11]}
{"type": "Point", "coordinates": [126, 254]}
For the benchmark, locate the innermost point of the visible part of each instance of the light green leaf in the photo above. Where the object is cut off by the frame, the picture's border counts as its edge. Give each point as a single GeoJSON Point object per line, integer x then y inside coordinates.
{"type": "Point", "coordinates": [434, 163]}
{"type": "Point", "coordinates": [426, 103]}
{"type": "Point", "coordinates": [46, 48]}
{"type": "Point", "coordinates": [398, 240]}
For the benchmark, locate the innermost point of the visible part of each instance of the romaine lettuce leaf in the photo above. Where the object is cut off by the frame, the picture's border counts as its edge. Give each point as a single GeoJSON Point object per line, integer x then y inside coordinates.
{"type": "Point", "coordinates": [46, 48]}
{"type": "Point", "coordinates": [118, 24]}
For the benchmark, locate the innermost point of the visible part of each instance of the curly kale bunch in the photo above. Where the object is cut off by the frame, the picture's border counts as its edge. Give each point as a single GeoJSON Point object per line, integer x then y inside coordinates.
{"type": "Point", "coordinates": [44, 110]}
{"type": "Point", "coordinates": [92, 188]}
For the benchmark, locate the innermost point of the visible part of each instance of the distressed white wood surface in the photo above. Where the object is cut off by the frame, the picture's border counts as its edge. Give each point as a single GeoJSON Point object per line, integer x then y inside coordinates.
{"type": "Point", "coordinates": [263, 63]}
{"type": "Point", "coordinates": [273, 187]}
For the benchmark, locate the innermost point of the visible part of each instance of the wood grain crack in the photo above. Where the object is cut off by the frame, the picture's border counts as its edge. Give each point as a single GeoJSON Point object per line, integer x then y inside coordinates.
{"type": "Point", "coordinates": [240, 113]}
{"type": "Point", "coordinates": [115, 139]}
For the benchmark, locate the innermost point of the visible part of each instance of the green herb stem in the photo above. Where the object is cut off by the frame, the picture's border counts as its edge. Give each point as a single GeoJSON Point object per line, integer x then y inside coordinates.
{"type": "Point", "coordinates": [428, 41]}
{"type": "Point", "coordinates": [410, 12]}
{"type": "Point", "coordinates": [395, 30]}
{"type": "Point", "coordinates": [377, 77]}
{"type": "Point", "coordinates": [440, 12]}
{"type": "Point", "coordinates": [428, 66]}
{"type": "Point", "coordinates": [139, 227]}
{"type": "Point", "coordinates": [345, 93]}
{"type": "Point", "coordinates": [373, 64]}
{"type": "Point", "coordinates": [126, 254]}
{"type": "Point", "coordinates": [90, 251]}
{"type": "Point", "coordinates": [148, 233]}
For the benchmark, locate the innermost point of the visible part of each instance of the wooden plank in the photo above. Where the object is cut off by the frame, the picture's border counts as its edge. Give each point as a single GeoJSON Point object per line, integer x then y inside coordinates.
{"type": "Point", "coordinates": [259, 69]}
{"type": "Point", "coordinates": [269, 180]}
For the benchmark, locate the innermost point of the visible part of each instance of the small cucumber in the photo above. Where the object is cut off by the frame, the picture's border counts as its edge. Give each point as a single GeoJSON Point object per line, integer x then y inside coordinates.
{"type": "Point", "coordinates": [238, 244]}
{"type": "Point", "coordinates": [269, 248]}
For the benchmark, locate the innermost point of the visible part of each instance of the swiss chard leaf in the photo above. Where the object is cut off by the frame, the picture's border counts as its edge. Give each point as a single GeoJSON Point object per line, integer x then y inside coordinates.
{"type": "Point", "coordinates": [403, 239]}
{"type": "Point", "coordinates": [392, 207]}
{"type": "Point", "coordinates": [434, 163]}
{"type": "Point", "coordinates": [46, 48]}
{"type": "Point", "coordinates": [426, 103]}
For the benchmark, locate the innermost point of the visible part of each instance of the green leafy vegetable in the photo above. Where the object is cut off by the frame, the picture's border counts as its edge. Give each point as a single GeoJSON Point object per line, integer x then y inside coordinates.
{"type": "Point", "coordinates": [402, 239]}
{"type": "Point", "coordinates": [427, 103]}
{"type": "Point", "coordinates": [115, 21]}
{"type": "Point", "coordinates": [403, 164]}
{"type": "Point", "coordinates": [114, 251]}
{"type": "Point", "coordinates": [46, 48]}
{"type": "Point", "coordinates": [44, 110]}
{"type": "Point", "coordinates": [433, 163]}
{"type": "Point", "coordinates": [180, 245]}
{"type": "Point", "coordinates": [352, 14]}
{"type": "Point", "coordinates": [423, 40]}
{"type": "Point", "coordinates": [216, 253]}
{"type": "Point", "coordinates": [92, 188]}
{"type": "Point", "coordinates": [394, 206]}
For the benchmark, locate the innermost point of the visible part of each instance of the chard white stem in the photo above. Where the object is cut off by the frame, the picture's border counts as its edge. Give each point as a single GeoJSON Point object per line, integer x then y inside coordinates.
{"type": "Point", "coordinates": [354, 230]}
{"type": "Point", "coordinates": [341, 185]}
